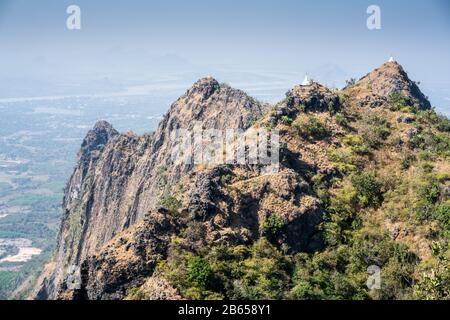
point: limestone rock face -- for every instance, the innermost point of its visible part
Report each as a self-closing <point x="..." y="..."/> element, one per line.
<point x="119" y="178"/>
<point x="126" y="261"/>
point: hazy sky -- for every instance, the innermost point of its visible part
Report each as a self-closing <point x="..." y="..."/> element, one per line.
<point x="281" y="35"/>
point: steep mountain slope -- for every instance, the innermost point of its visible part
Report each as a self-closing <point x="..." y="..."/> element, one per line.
<point x="139" y="225"/>
<point x="119" y="178"/>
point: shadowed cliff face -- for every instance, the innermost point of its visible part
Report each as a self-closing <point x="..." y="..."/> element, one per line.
<point x="117" y="219"/>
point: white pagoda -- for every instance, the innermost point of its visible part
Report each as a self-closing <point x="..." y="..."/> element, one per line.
<point x="307" y="81"/>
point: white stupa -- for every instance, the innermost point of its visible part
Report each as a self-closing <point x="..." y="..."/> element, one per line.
<point x="307" y="81"/>
<point x="391" y="59"/>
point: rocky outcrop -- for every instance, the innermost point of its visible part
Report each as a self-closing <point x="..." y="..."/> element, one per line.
<point x="157" y="288"/>
<point x="121" y="177"/>
<point x="235" y="210"/>
<point x="126" y="261"/>
<point x="310" y="98"/>
<point x="377" y="88"/>
<point x="313" y="98"/>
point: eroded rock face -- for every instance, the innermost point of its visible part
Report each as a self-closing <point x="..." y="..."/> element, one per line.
<point x="229" y="213"/>
<point x="124" y="262"/>
<point x="236" y="212"/>
<point x="121" y="177"/>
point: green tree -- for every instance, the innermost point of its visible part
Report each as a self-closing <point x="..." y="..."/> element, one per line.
<point x="368" y="189"/>
<point x="199" y="272"/>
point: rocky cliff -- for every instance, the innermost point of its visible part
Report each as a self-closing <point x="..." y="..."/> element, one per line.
<point x="127" y="200"/>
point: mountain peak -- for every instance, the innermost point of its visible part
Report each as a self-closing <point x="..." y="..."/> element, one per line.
<point x="379" y="86"/>
<point x="204" y="87"/>
<point x="205" y="82"/>
<point x="313" y="97"/>
<point x="215" y="106"/>
<point x="97" y="138"/>
<point x="103" y="125"/>
<point x="392" y="67"/>
<point x="306" y="89"/>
